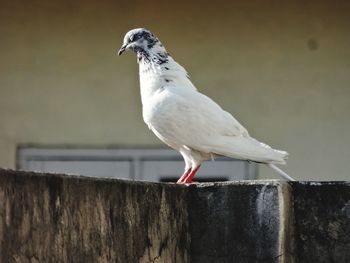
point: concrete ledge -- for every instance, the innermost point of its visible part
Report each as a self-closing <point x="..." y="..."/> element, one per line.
<point x="236" y="222"/>
<point x="60" y="218"/>
<point x="322" y="221"/>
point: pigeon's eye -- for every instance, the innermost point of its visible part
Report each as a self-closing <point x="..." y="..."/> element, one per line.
<point x="135" y="37"/>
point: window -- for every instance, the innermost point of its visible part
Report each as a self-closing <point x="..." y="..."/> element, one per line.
<point x="157" y="165"/>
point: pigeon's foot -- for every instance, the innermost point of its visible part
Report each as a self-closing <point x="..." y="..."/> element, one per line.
<point x="183" y="177"/>
<point x="180" y="182"/>
<point x="189" y="177"/>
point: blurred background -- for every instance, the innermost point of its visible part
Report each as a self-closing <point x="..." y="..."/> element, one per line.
<point x="282" y="68"/>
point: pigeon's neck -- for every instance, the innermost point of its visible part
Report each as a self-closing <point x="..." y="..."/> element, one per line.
<point x="158" y="70"/>
<point x="155" y="55"/>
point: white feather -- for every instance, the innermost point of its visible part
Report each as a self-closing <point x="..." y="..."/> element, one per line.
<point x="181" y="116"/>
<point x="191" y="122"/>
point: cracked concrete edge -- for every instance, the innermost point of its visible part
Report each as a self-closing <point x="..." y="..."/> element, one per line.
<point x="68" y="176"/>
<point x="286" y="229"/>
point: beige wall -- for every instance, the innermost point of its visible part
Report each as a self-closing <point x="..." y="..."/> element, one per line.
<point x="281" y="67"/>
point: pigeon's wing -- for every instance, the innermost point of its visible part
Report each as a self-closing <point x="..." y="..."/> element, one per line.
<point x="204" y="113"/>
<point x="190" y="118"/>
<point x="193" y="119"/>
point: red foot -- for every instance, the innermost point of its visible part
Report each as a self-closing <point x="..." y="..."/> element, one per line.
<point x="186" y="178"/>
<point x="189" y="177"/>
<point x="183" y="177"/>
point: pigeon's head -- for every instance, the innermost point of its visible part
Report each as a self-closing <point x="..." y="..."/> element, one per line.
<point x="141" y="41"/>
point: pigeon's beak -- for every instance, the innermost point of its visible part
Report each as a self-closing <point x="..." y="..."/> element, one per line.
<point x="121" y="50"/>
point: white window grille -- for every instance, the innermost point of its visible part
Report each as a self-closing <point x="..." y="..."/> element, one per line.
<point x="140" y="164"/>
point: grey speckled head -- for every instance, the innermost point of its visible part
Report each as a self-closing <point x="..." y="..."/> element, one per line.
<point x="140" y="40"/>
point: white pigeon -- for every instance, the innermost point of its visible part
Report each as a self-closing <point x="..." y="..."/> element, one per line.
<point x="184" y="118"/>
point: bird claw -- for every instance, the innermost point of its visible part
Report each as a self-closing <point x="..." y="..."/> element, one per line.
<point x="183" y="182"/>
<point x="186" y="178"/>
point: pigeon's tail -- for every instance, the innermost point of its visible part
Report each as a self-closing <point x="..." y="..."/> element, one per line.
<point x="247" y="148"/>
<point x="280" y="157"/>
<point x="281" y="172"/>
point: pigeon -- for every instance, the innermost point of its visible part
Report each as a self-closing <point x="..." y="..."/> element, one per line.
<point x="185" y="119"/>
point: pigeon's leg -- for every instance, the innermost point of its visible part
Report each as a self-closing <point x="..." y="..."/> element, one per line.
<point x="183" y="177"/>
<point x="188" y="165"/>
<point x="189" y="177"/>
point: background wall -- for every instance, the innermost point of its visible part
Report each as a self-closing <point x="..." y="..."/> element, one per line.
<point x="281" y="67"/>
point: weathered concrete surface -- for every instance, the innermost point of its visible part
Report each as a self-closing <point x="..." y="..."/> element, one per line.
<point x="77" y="219"/>
<point x="322" y="222"/>
<point x="59" y="218"/>
<point x="236" y="222"/>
